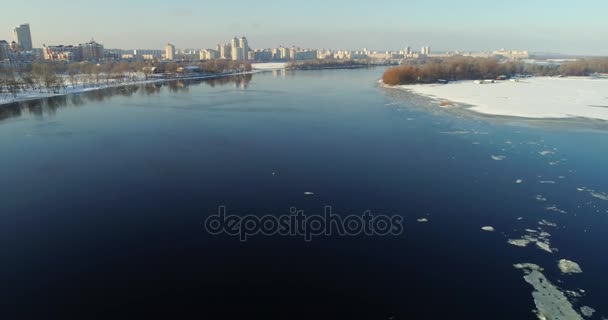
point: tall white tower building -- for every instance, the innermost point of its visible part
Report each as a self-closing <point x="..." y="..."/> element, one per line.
<point x="169" y="52"/>
<point x="23" y="36"/>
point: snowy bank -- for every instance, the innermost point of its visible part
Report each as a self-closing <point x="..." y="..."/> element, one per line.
<point x="31" y="94"/>
<point x="540" y="97"/>
<point x="269" y="66"/>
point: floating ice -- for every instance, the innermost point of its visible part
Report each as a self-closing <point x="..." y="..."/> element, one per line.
<point x="519" y="181"/>
<point x="498" y="158"/>
<point x="587" y="311"/>
<point x="541" y="198"/>
<point x="593" y="193"/>
<point x="555" y="208"/>
<point x="550" y="301"/>
<point x="488" y="228"/>
<point x="546" y="152"/>
<point x="519" y="242"/>
<point x="547" y="182"/>
<point x="600" y="195"/>
<point x="544" y="246"/>
<point x="422" y="220"/>
<point x="567" y="266"/>
<point x="308" y="193"/>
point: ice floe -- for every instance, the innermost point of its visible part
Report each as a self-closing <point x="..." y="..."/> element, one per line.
<point x="519" y="181"/>
<point x="488" y="228"/>
<point x="596" y="194"/>
<point x="539" y="238"/>
<point x="519" y="242"/>
<point x="587" y="311"/>
<point x="498" y="158"/>
<point x="423" y="220"/>
<point x="555" y="209"/>
<point x="550" y="301"/>
<point x="567" y="267"/>
<point x="546" y="152"/>
<point x="547" y="182"/>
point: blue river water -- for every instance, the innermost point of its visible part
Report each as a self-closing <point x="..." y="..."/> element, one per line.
<point x="103" y="198"/>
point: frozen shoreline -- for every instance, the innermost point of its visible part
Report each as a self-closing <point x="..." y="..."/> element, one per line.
<point x="34" y="95"/>
<point x="539" y="98"/>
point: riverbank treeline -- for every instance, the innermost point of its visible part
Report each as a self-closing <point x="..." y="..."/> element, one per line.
<point x="327" y="64"/>
<point x="51" y="77"/>
<point x="469" y="68"/>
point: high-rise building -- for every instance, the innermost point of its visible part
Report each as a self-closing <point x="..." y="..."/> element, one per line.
<point x="23" y="37"/>
<point x="92" y="51"/>
<point x="225" y="51"/>
<point x="244" y="45"/>
<point x="239" y="49"/>
<point x="425" y="50"/>
<point x="169" y="51"/>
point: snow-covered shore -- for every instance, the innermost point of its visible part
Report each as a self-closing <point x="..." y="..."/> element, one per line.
<point x="34" y="94"/>
<point x="540" y="97"/>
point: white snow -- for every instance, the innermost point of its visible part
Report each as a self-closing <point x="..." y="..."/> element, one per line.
<point x="540" y="97"/>
<point x="269" y="66"/>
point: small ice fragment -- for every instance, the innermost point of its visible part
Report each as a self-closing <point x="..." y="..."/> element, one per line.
<point x="587" y="311"/>
<point x="308" y="193"/>
<point x="546" y="152"/>
<point x="422" y="220"/>
<point x="498" y="158"/>
<point x="547" y="223"/>
<point x="519" y="242"/>
<point x="543" y="246"/>
<point x="519" y="181"/>
<point x="488" y="228"/>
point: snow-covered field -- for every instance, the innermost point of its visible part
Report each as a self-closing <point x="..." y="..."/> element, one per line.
<point x="540" y="97"/>
<point x="269" y="66"/>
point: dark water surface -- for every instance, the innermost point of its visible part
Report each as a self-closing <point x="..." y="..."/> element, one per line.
<point x="103" y="196"/>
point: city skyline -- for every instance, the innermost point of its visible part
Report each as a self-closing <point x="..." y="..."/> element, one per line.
<point x="386" y="26"/>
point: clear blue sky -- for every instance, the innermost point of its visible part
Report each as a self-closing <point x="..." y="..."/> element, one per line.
<point x="579" y="27"/>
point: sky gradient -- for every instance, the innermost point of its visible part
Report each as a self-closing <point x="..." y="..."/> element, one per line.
<point x="557" y="26"/>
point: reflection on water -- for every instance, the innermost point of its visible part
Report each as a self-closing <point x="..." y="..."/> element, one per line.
<point x="49" y="106"/>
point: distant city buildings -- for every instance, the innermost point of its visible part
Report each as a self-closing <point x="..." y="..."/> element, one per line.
<point x="512" y="55"/>
<point x="20" y="52"/>
<point x="90" y="51"/>
<point x="66" y="53"/>
<point x="209" y="54"/>
<point x="23" y="37"/>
